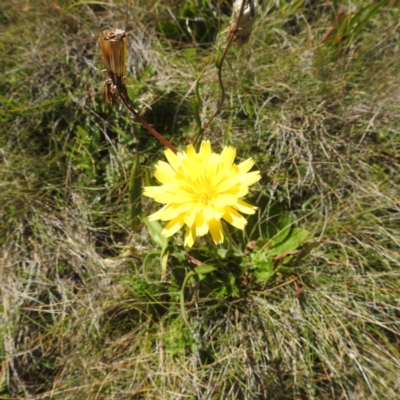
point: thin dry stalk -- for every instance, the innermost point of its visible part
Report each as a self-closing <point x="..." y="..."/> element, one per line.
<point x="238" y="32"/>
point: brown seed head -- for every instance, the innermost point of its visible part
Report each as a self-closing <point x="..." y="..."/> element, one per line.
<point x="113" y="47"/>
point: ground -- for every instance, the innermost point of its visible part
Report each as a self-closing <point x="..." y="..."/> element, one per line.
<point x="95" y="304"/>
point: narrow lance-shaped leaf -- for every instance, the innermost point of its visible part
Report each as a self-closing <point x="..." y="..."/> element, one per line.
<point x="360" y="26"/>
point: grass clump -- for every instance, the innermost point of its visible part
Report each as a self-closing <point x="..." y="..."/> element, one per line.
<point x="91" y="309"/>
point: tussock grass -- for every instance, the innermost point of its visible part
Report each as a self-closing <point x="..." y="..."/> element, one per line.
<point x="81" y="319"/>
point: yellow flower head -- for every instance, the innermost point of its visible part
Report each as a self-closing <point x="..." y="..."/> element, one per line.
<point x="198" y="189"/>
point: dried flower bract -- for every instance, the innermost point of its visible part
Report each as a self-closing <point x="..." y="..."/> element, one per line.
<point x="113" y="46"/>
<point x="241" y="31"/>
<point x="110" y="92"/>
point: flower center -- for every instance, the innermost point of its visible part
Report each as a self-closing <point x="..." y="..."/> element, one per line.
<point x="205" y="198"/>
<point x="205" y="193"/>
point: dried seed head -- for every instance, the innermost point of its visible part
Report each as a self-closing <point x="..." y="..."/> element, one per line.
<point x="241" y="33"/>
<point x="113" y="47"/>
<point x="110" y="92"/>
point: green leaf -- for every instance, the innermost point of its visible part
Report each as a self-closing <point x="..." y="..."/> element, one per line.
<point x="371" y="14"/>
<point x="296" y="5"/>
<point x="293" y="241"/>
<point x="147" y="260"/>
<point x="284" y="226"/>
<point x="155" y="229"/>
<point x="222" y="252"/>
<point x="204" y="269"/>
<point x="268" y="220"/>
<point x="263" y="265"/>
<point x="231" y="286"/>
<point x="248" y="107"/>
<point x="343" y="27"/>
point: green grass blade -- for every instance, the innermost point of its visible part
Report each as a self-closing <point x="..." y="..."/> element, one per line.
<point x="135" y="192"/>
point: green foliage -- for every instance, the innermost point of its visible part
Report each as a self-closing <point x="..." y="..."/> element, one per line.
<point x="84" y="151"/>
<point x="135" y="192"/>
<point x="346" y="28"/>
<point x="192" y="22"/>
<point x="177" y="338"/>
<point x="155" y="229"/>
<point x="303" y="304"/>
<point x="262" y="265"/>
<point x="225" y="271"/>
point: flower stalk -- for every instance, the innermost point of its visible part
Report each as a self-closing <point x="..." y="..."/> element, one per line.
<point x="243" y="16"/>
<point x="113" y="48"/>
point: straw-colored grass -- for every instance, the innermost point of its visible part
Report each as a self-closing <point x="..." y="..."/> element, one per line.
<point x="80" y="316"/>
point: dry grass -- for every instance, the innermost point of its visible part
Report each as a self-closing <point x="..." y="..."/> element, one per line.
<point x="79" y="317"/>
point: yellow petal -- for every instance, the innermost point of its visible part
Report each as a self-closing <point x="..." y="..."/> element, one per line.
<point x="226" y="174"/>
<point x="205" y="150"/>
<point x="218" y="212"/>
<point x="183" y="179"/>
<point x="189" y="219"/>
<point x="193" y="165"/>
<point x="190" y="151"/>
<point x="246" y="166"/>
<point x="164" y="166"/>
<point x="223" y="200"/>
<point x="234" y="171"/>
<point x="201" y="225"/>
<point x="190" y="236"/>
<point x="226" y="184"/>
<point x="173" y="226"/>
<point x="155" y="216"/>
<point x="164" y="199"/>
<point x="227" y="157"/>
<point x="208" y="213"/>
<point x="216" y="231"/>
<point x="250" y="178"/>
<point x="233" y="190"/>
<point x="151" y="191"/>
<point x="164" y="173"/>
<point x="170" y="211"/>
<point x="211" y="169"/>
<point x="173" y="159"/>
<point x="234" y="218"/>
<point x="244" y="207"/>
<point x="164" y="214"/>
<point x="242" y="191"/>
<point x="173" y="198"/>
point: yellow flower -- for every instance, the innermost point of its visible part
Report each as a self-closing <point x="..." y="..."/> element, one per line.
<point x="198" y="189"/>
